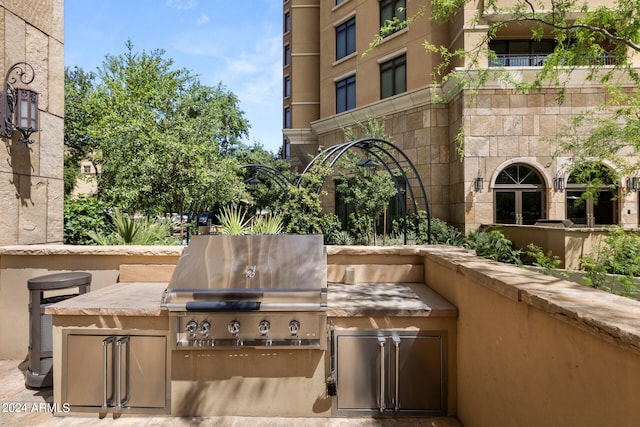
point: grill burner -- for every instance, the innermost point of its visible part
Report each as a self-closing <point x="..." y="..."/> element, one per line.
<point x="249" y="291"/>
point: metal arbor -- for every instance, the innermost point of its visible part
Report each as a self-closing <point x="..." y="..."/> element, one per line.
<point x="271" y="173"/>
<point x="383" y="153"/>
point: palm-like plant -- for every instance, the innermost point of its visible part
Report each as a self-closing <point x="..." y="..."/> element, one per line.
<point x="233" y="220"/>
<point x="127" y="230"/>
<point x="269" y="224"/>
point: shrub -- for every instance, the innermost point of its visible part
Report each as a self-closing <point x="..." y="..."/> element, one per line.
<point x="82" y="214"/>
<point x="128" y="230"/>
<point x="619" y="254"/>
<point x="493" y="245"/>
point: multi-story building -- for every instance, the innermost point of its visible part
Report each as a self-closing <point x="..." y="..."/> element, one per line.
<point x="509" y="173"/>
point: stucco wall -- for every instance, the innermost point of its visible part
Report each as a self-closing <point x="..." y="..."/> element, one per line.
<point x="535" y="350"/>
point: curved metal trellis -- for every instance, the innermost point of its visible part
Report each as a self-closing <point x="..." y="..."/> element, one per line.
<point x="382" y="151"/>
<point x="273" y="174"/>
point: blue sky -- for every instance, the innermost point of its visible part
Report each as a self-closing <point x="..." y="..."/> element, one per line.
<point x="238" y="43"/>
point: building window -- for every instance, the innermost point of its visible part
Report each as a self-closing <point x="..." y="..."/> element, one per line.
<point x="287" y="22"/>
<point x="520" y="53"/>
<point x="286" y="149"/>
<point x="86" y="169"/>
<point x="346" y="38"/>
<point x="393" y="77"/>
<point x="287" y="117"/>
<point x="519" y="196"/>
<point x="390" y="10"/>
<point x="339" y="1"/>
<point x="287" y="55"/>
<point x="287" y="86"/>
<point x="582" y="207"/>
<point x="346" y="94"/>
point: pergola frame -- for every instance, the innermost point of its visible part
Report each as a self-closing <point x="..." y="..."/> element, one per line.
<point x="380" y="150"/>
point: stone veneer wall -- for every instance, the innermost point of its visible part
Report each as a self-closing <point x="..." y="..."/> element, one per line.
<point x="31" y="176"/>
<point x="421" y="130"/>
<point x="503" y="128"/>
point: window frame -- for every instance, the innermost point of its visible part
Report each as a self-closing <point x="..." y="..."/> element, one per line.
<point x="393" y="6"/>
<point x="519" y="188"/>
<point x="392" y="65"/>
<point x="347" y="45"/>
<point x="348" y="83"/>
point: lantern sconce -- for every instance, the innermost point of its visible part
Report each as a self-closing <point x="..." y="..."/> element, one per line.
<point x="369" y="166"/>
<point x="478" y="183"/>
<point x="633" y="183"/>
<point x="558" y="183"/>
<point x="19" y="103"/>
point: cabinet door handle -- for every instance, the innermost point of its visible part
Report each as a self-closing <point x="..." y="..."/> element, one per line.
<point x="106" y="399"/>
<point x="396" y="344"/>
<point x="122" y="401"/>
<point x="382" y="403"/>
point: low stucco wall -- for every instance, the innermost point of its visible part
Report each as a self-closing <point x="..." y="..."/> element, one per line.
<point x="20" y="263"/>
<point x="534" y="350"/>
<point x="568" y="244"/>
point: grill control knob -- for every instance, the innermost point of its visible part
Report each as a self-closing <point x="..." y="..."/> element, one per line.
<point x="264" y="327"/>
<point x="234" y="327"/>
<point x="294" y="328"/>
<point x="191" y="327"/>
<point x="205" y="327"/>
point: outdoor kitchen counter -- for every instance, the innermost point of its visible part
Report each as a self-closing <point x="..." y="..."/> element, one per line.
<point x="386" y="299"/>
<point x="120" y="299"/>
<point x="357" y="300"/>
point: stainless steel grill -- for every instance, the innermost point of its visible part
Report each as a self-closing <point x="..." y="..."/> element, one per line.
<point x="249" y="291"/>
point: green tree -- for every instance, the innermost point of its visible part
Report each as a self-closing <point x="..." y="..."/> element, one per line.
<point x="267" y="193"/>
<point x="79" y="113"/>
<point x="302" y="211"/>
<point x="368" y="195"/>
<point x="161" y="136"/>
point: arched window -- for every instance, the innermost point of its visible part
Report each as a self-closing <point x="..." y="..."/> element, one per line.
<point x="582" y="207"/>
<point x="519" y="196"/>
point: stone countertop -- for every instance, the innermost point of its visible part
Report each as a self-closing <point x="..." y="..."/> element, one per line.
<point x="373" y="299"/>
<point x="386" y="299"/>
<point x="121" y="299"/>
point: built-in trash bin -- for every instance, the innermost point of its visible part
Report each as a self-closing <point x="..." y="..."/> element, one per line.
<point x="40" y="370"/>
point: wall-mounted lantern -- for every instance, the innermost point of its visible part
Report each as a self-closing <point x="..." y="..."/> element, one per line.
<point x="19" y="104"/>
<point x="558" y="183"/>
<point x="633" y="183"/>
<point x="478" y="182"/>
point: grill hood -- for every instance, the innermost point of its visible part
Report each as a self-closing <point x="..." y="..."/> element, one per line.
<point x="258" y="262"/>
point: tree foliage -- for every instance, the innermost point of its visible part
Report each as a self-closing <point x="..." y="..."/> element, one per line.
<point x="368" y="195"/>
<point x="159" y="137"/>
<point x="302" y="210"/>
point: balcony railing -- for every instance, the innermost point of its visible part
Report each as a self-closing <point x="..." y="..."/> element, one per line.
<point x="537" y="60"/>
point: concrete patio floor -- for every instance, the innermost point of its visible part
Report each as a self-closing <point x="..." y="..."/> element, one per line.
<point x="13" y="391"/>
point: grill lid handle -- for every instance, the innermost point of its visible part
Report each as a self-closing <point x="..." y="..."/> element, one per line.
<point x="223" y="306"/>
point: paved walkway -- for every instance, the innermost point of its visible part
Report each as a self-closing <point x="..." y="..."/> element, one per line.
<point x="25" y="408"/>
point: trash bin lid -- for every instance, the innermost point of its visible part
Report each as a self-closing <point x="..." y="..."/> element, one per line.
<point x="59" y="280"/>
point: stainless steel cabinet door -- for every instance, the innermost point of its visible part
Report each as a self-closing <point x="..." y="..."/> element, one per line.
<point x="390" y="371"/>
<point x="358" y="372"/>
<point x="420" y="375"/>
<point x="89" y="377"/>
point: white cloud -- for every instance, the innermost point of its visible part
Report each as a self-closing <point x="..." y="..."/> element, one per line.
<point x="181" y="4"/>
<point x="203" y="19"/>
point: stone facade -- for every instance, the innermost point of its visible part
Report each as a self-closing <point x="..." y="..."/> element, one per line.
<point x="501" y="128"/>
<point x="31" y="176"/>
